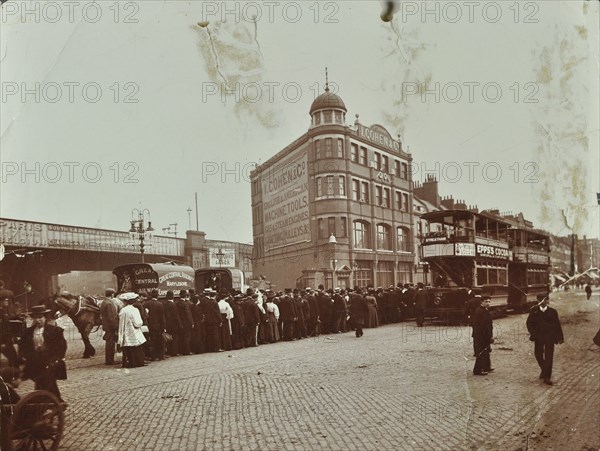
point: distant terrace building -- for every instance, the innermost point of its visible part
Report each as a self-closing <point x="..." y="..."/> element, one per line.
<point x="334" y="207"/>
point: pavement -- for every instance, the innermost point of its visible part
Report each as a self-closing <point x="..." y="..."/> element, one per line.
<point x="397" y="387"/>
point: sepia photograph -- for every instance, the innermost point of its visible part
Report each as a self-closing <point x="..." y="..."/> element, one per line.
<point x="300" y="225"/>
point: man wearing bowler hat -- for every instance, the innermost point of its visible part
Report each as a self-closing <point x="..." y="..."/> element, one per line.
<point x="43" y="346"/>
<point x="544" y="326"/>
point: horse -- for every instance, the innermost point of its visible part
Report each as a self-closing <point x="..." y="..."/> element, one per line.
<point x="84" y="311"/>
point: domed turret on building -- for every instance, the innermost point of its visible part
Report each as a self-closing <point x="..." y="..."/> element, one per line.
<point x="328" y="108"/>
<point x="326" y="101"/>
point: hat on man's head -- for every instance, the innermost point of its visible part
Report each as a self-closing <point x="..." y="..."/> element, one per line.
<point x="38" y="310"/>
<point x="5" y="298"/>
<point x="288" y="290"/>
<point x="182" y="293"/>
<point x="223" y="291"/>
<point x="154" y="293"/>
<point x="109" y="291"/>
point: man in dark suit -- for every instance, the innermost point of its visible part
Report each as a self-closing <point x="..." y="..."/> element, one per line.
<point x="43" y="346"/>
<point x="156" y="326"/>
<point x="172" y="324"/>
<point x="359" y="311"/>
<point x="482" y="337"/>
<point x="110" y="326"/>
<point x="313" y="318"/>
<point x="187" y="322"/>
<point x="340" y="311"/>
<point x="420" y="301"/>
<point x="545" y="330"/>
<point x="287" y="314"/>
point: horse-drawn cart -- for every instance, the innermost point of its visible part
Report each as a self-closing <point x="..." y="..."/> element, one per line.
<point x="35" y="422"/>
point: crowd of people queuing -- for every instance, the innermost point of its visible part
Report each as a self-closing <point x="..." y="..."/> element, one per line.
<point x="148" y="327"/>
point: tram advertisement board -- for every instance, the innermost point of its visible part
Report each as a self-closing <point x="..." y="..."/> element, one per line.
<point x="486" y="250"/>
<point x="464" y="249"/>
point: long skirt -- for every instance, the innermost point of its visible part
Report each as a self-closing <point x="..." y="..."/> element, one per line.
<point x="273" y="328"/>
<point x="133" y="356"/>
<point x="225" y="334"/>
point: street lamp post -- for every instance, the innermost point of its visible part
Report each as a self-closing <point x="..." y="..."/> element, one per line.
<point x="189" y="212"/>
<point x="138" y="230"/>
<point x="220" y="256"/>
<point x="332" y="243"/>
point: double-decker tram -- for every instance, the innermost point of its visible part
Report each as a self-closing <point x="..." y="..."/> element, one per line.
<point x="528" y="269"/>
<point x="468" y="253"/>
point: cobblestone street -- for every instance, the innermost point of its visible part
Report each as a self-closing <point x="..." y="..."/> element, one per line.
<point x="398" y="387"/>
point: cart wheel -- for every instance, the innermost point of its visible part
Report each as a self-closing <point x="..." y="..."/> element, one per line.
<point x="37" y="422"/>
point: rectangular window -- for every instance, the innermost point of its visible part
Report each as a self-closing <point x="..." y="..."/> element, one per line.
<point x="322" y="230"/>
<point x="364" y="193"/>
<point x="385" y="274"/>
<point x="383" y="237"/>
<point x="330" y="185"/>
<point x="363" y="274"/>
<point x="377" y="159"/>
<point x="363" y="156"/>
<point x="341" y="185"/>
<point x="340" y="148"/>
<point x="384" y="164"/>
<point x="493" y="276"/>
<point x="402" y="240"/>
<point x="330" y="226"/>
<point x="354" y="153"/>
<point x="318" y="187"/>
<point x="343" y="232"/>
<point x="398" y="200"/>
<point x="328" y="148"/>
<point x="318" y="149"/>
<point x="317" y="118"/>
<point x="396" y="168"/>
<point x="378" y="195"/>
<point x="338" y="117"/>
<point x="361" y="235"/>
<point x="404" y="171"/>
<point x="327" y="117"/>
<point x="355" y="190"/>
<point x="482" y="276"/>
<point x="405" y="202"/>
<point x="386" y="197"/>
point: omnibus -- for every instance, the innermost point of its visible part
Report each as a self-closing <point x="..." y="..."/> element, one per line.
<point x="218" y="278"/>
<point x="468" y="254"/>
<point x="529" y="267"/>
<point x="149" y="276"/>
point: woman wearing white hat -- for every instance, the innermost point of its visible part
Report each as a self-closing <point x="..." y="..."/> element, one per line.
<point x="131" y="337"/>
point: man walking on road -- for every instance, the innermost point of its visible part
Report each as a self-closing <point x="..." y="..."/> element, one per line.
<point x="420" y="303"/>
<point x="545" y="330"/>
<point x="482" y="337"/>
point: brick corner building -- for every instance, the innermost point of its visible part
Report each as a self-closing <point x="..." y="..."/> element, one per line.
<point x="334" y="207"/>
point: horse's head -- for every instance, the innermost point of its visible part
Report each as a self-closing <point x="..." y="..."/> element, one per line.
<point x="63" y="303"/>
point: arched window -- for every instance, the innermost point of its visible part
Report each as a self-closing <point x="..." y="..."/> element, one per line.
<point x="384" y="241"/>
<point x="362" y="235"/>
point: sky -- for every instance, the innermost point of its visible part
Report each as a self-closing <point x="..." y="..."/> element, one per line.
<point x="107" y="107"/>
